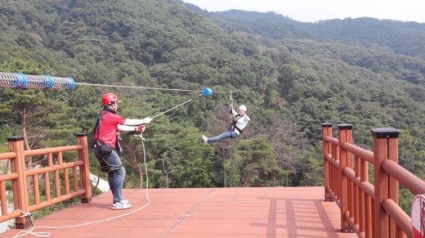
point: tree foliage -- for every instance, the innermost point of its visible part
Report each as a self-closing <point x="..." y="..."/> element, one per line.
<point x="292" y="76"/>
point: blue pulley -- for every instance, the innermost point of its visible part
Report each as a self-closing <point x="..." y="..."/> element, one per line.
<point x="206" y="92"/>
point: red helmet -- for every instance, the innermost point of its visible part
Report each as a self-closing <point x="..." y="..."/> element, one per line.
<point x="109" y="98"/>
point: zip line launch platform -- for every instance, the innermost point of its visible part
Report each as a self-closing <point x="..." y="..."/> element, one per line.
<point x="201" y="212"/>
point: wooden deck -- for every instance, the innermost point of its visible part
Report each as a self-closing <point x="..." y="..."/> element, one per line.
<point x="200" y="212"/>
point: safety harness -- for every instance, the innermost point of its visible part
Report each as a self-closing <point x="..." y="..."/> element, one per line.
<point x="235" y="119"/>
<point x="102" y="150"/>
<point x="233" y="126"/>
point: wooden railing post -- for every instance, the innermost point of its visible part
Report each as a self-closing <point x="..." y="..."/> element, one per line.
<point x="327" y="147"/>
<point x="83" y="155"/>
<point x="385" y="146"/>
<point x="19" y="187"/>
<point x="345" y="135"/>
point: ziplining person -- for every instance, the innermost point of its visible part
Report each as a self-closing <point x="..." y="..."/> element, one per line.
<point x="107" y="148"/>
<point x="239" y="121"/>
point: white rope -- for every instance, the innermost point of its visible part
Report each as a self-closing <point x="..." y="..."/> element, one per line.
<point x="47" y="234"/>
<point x="181" y="104"/>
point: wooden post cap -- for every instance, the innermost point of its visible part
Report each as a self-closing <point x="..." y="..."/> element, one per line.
<point x="385" y="132"/>
<point x="15" y="138"/>
<point x="345" y="126"/>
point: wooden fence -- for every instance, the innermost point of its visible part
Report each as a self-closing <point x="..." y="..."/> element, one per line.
<point x="61" y="180"/>
<point x="369" y="208"/>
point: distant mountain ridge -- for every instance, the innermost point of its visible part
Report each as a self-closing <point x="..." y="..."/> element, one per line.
<point x="406" y="38"/>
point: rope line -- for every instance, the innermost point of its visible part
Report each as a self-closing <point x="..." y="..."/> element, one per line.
<point x="189" y="212"/>
<point x="48" y="234"/>
<point x="181" y="104"/>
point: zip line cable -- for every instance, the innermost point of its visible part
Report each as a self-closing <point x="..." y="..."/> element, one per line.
<point x="24" y="81"/>
<point x="135" y="87"/>
<point x="48" y="234"/>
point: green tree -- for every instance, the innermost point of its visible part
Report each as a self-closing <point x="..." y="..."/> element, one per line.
<point x="258" y="163"/>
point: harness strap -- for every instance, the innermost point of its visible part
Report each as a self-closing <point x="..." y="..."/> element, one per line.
<point x="237" y="128"/>
<point x="233" y="125"/>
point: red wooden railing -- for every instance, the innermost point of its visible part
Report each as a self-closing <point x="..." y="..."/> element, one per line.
<point x="67" y="179"/>
<point x="369" y="208"/>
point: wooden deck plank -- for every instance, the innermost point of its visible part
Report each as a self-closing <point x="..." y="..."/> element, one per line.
<point x="201" y="212"/>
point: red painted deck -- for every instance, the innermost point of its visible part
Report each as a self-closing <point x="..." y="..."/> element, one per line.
<point x="200" y="212"/>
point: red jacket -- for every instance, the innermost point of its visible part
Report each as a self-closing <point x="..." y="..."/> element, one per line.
<point x="108" y="128"/>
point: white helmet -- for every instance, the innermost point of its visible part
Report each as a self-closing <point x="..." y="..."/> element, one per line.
<point x="242" y="108"/>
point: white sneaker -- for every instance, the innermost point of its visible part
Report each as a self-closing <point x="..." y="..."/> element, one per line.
<point x="205" y="139"/>
<point x="121" y="205"/>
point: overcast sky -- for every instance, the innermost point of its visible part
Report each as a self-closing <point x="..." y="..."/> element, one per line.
<point x="316" y="10"/>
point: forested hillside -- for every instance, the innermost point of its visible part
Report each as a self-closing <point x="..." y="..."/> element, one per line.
<point x="290" y="85"/>
<point x="406" y="38"/>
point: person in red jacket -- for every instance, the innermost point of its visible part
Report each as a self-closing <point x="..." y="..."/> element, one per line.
<point x="107" y="148"/>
